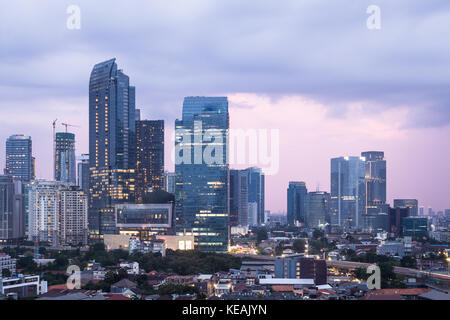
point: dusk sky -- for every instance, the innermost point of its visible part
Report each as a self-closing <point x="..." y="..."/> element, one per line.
<point x="311" y="69"/>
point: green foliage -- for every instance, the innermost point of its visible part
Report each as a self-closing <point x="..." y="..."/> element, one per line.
<point x="408" y="262"/>
<point x="171" y="288"/>
<point x="27" y="264"/>
<point x="6" y="273"/>
<point x="299" y="246"/>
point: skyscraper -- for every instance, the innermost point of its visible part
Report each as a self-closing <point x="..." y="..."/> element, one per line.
<point x="239" y="204"/>
<point x="112" y="145"/>
<point x="256" y="191"/>
<point x="317" y="209"/>
<point x="347" y="191"/>
<point x="412" y="204"/>
<point x="150" y="157"/>
<point x="83" y="173"/>
<point x="12" y="210"/>
<point x="19" y="158"/>
<point x="375" y="175"/>
<point x="65" y="170"/>
<point x="169" y="182"/>
<point x="296" y="202"/>
<point x="201" y="172"/>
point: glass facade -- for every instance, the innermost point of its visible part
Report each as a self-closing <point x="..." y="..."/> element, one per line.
<point x="412" y="204"/>
<point x="202" y="172"/>
<point x="348" y="191"/>
<point x="256" y="191"/>
<point x="65" y="170"/>
<point x="112" y="145"/>
<point x="144" y="215"/>
<point x="150" y="156"/>
<point x="239" y="198"/>
<point x="375" y="181"/>
<point x="317" y="209"/>
<point x="296" y="202"/>
<point x="19" y="159"/>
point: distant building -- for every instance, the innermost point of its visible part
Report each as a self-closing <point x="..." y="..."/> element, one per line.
<point x="22" y="286"/>
<point x="202" y="183"/>
<point x="256" y="191"/>
<point x="154" y="216"/>
<point x="150" y="157"/>
<point x="375" y="176"/>
<point x="296" y="202"/>
<point x="415" y="227"/>
<point x="239" y="214"/>
<point x="412" y="204"/>
<point x="112" y="145"/>
<point x="392" y="249"/>
<point x="317" y="209"/>
<point x="6" y="262"/>
<point x="301" y="268"/>
<point x="396" y="216"/>
<point x="252" y="214"/>
<point x="169" y="182"/>
<point x="12" y="209"/>
<point x="348" y="191"/>
<point x="65" y="169"/>
<point x="83" y="173"/>
<point x="57" y="213"/>
<point x="19" y="158"/>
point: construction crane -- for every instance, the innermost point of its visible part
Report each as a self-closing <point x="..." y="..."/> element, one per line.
<point x="69" y="125"/>
<point x="54" y="143"/>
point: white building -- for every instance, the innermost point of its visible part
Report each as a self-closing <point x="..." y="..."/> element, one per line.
<point x="57" y="213"/>
<point x="131" y="267"/>
<point x="6" y="262"/>
<point x="22" y="286"/>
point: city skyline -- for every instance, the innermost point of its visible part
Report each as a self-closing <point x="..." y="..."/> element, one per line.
<point x="324" y="109"/>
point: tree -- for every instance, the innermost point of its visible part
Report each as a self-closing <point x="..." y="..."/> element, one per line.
<point x="6" y="273"/>
<point x="299" y="245"/>
<point x="408" y="262"/>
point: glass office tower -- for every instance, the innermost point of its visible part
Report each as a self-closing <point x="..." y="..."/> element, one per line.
<point x="348" y="191"/>
<point x="256" y="192"/>
<point x="65" y="170"/>
<point x="296" y="202"/>
<point x="150" y="157"/>
<point x="202" y="172"/>
<point x="375" y="182"/>
<point x="19" y="158"/>
<point x="112" y="145"/>
<point x="317" y="209"/>
<point x="239" y="202"/>
<point x="412" y="204"/>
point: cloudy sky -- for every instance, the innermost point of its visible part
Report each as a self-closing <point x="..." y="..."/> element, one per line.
<point x="311" y="69"/>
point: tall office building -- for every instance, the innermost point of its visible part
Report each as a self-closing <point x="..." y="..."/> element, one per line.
<point x="421" y="212"/>
<point x="19" y="158"/>
<point x="150" y="157"/>
<point x="412" y="204"/>
<point x="201" y="172"/>
<point x="296" y="202"/>
<point x="317" y="209"/>
<point x="65" y="170"/>
<point x="12" y="210"/>
<point x="169" y="182"/>
<point x="375" y="182"/>
<point x="239" y="198"/>
<point x="112" y="145"/>
<point x="57" y="213"/>
<point x="83" y="173"/>
<point x="347" y="191"/>
<point x="396" y="217"/>
<point x="256" y="191"/>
